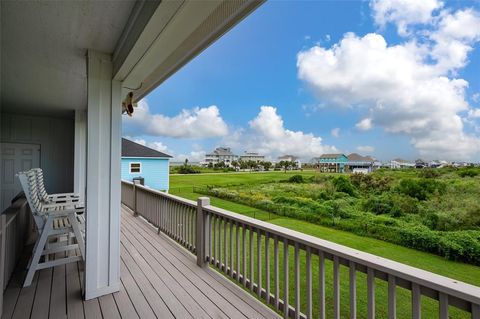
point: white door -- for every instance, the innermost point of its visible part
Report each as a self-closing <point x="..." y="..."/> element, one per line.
<point x="15" y="158"/>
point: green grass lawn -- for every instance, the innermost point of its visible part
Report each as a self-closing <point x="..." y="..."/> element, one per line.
<point x="182" y="185"/>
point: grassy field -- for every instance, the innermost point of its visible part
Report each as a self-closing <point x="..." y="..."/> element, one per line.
<point x="183" y="185"/>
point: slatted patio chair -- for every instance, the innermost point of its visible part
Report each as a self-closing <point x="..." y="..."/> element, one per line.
<point x="52" y="198"/>
<point x="53" y="221"/>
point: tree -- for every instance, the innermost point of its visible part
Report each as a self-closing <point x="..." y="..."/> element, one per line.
<point x="266" y="165"/>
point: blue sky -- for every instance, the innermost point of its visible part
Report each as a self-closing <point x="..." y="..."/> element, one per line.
<point x="385" y="78"/>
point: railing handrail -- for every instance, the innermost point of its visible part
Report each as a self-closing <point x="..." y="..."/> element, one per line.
<point x="422" y="277"/>
<point x="163" y="194"/>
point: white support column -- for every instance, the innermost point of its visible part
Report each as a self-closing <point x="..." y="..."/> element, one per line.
<point x="80" y="165"/>
<point x="102" y="267"/>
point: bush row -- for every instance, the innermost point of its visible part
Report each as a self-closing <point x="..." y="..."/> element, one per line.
<point x="454" y="245"/>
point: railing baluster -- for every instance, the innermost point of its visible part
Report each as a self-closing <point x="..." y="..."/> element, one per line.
<point x="443" y="307"/>
<point x="225" y="245"/>
<point x="244" y="255"/>
<point x="308" y="279"/>
<point x="297" y="281"/>
<point x="221" y="242"/>
<point x="353" y="290"/>
<point x="237" y="248"/>
<point x="231" y="249"/>
<point x="416" y="301"/>
<point x="252" y="259"/>
<point x="259" y="263"/>
<point x="336" y="288"/>
<point x="321" y="283"/>
<point x="267" y="267"/>
<point x="286" y="307"/>
<point x="475" y="311"/>
<point x="392" y="297"/>
<point x="370" y="293"/>
<point x="214" y="248"/>
<point x="276" y="272"/>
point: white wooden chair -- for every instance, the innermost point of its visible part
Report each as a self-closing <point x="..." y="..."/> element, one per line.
<point x="54" y="222"/>
<point x="52" y="198"/>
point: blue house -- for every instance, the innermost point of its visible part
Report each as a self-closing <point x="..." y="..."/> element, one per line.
<point x="141" y="161"/>
<point x="333" y="163"/>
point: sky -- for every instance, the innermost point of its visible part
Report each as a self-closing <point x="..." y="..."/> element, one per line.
<point x="391" y="79"/>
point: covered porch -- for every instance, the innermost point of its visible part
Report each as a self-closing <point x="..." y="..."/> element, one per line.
<point x="159" y="279"/>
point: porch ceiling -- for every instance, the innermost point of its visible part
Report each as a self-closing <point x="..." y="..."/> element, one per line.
<point x="43" y="50"/>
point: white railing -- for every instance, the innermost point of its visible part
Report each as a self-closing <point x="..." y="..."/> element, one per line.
<point x="288" y="269"/>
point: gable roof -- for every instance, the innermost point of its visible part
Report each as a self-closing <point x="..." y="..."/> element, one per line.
<point x="132" y="149"/>
<point x="355" y="157"/>
<point x="332" y="155"/>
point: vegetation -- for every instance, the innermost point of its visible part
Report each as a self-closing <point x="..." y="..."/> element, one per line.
<point x="437" y="213"/>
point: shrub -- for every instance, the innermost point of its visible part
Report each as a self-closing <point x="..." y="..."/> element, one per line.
<point x="429" y="173"/>
<point x="421" y="189"/>
<point x="296" y="179"/>
<point x="188" y="169"/>
<point x="468" y="172"/>
<point x="371" y="182"/>
<point x="343" y="184"/>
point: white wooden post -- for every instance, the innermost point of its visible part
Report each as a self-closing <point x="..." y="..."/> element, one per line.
<point x="102" y="264"/>
<point x="80" y="163"/>
<point x="201" y="231"/>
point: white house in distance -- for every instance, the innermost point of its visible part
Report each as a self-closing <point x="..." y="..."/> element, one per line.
<point x="220" y="154"/>
<point x="399" y="163"/>
<point x="251" y="156"/>
<point x="149" y="165"/>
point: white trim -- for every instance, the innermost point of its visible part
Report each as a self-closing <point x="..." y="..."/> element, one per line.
<point x="130" y="167"/>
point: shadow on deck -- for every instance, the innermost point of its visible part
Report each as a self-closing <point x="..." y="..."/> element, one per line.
<point x="159" y="280"/>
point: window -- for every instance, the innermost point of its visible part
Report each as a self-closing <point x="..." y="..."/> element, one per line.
<point x="135" y="168"/>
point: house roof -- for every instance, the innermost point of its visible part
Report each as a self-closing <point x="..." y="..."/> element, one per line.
<point x="222" y="151"/>
<point x="287" y="156"/>
<point x="331" y="155"/>
<point x="132" y="149"/>
<point x="354" y="157"/>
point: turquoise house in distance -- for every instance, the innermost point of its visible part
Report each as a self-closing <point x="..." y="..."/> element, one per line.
<point x="139" y="161"/>
<point x="332" y="163"/>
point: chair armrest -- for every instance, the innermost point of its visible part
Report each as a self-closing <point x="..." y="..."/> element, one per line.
<point x="65" y="212"/>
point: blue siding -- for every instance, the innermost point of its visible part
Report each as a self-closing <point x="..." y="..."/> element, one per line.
<point x="154" y="170"/>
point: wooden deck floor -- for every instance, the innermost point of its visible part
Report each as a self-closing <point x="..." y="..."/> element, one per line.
<point x="159" y="280"/>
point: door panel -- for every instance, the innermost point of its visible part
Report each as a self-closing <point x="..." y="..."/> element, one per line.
<point x="15" y="158"/>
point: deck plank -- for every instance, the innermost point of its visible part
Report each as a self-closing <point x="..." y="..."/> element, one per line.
<point x="42" y="296"/>
<point x="173" y="303"/>
<point x="109" y="307"/>
<point x="162" y="266"/>
<point x="74" y="293"/>
<point x="92" y="309"/>
<point x="23" y="308"/>
<point x="58" y="305"/>
<point x="138" y="300"/>
<point x="155" y="301"/>
<point x="183" y="289"/>
<point x="186" y="264"/>
<point x="124" y="304"/>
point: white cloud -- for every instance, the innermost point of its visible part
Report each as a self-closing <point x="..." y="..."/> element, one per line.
<point x="328" y="37"/>
<point x="476" y="97"/>
<point x="194" y="123"/>
<point x="454" y="38"/>
<point x="267" y="135"/>
<point x="335" y="132"/>
<point x="193" y="156"/>
<point x="366" y="149"/>
<point x="159" y="146"/>
<point x="364" y="125"/>
<point x="403" y="91"/>
<point x="474" y="114"/>
<point x="404" y="13"/>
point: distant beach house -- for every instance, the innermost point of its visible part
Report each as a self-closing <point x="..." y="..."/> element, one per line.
<point x="220" y="154"/>
<point x="139" y="161"/>
<point x="360" y="164"/>
<point x="399" y="163"/>
<point x="251" y="156"/>
<point x="331" y="163"/>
